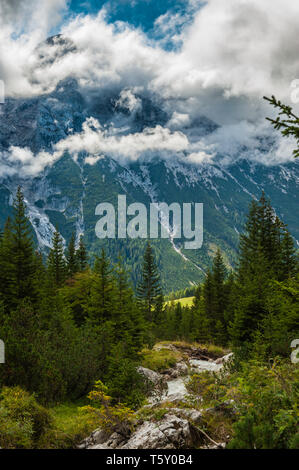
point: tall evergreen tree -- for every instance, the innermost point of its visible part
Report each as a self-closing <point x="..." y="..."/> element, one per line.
<point x="219" y="274"/>
<point x="103" y="290"/>
<point x="56" y="261"/>
<point x="129" y="322"/>
<point x="266" y="254"/>
<point x="208" y="295"/>
<point x="82" y="256"/>
<point x="71" y="257"/>
<point x="149" y="289"/>
<point x="18" y="256"/>
<point x="289" y="257"/>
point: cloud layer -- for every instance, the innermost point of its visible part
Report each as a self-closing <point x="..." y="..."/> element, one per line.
<point x="230" y="55"/>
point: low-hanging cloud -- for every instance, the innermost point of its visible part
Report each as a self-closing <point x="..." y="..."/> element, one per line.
<point x="97" y="141"/>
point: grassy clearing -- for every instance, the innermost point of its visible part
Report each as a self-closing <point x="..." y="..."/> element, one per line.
<point x="70" y="426"/>
<point x="185" y="301"/>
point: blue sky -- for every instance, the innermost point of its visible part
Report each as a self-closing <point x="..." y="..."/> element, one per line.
<point x="141" y="13"/>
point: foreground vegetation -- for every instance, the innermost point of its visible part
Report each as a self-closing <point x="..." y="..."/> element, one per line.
<point x="258" y="405"/>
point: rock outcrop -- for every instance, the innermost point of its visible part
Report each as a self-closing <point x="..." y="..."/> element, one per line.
<point x="150" y="375"/>
<point x="171" y="432"/>
<point x="180" y="427"/>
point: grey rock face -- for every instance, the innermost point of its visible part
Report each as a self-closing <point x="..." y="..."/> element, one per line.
<point x="150" y="375"/>
<point x="172" y="432"/>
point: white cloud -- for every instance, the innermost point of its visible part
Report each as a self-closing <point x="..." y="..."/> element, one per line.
<point x="178" y="120"/>
<point x="23" y="162"/>
<point x="232" y="53"/>
<point x="97" y="141"/>
<point x="240" y="47"/>
<point x="129" y="101"/>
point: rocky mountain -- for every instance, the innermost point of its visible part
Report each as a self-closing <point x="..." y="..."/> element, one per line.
<point x="65" y="191"/>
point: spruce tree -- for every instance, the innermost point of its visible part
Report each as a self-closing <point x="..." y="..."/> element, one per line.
<point x="71" y="257"/>
<point x="289" y="257"/>
<point x="129" y="322"/>
<point x="18" y="255"/>
<point x="56" y="261"/>
<point x="208" y="296"/>
<point x="103" y="290"/>
<point x="149" y="289"/>
<point x="81" y="254"/>
<point x="197" y="297"/>
<point x="6" y="266"/>
<point x="265" y="251"/>
<point x="219" y="301"/>
<point x="178" y="316"/>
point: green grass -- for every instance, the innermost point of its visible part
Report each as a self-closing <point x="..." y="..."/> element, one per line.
<point x="185" y="301"/>
<point x="159" y="360"/>
<point x="70" y="426"/>
<point x="213" y="349"/>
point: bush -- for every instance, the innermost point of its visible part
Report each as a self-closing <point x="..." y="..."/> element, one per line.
<point x="267" y="402"/>
<point x="125" y="384"/>
<point x="22" y="420"/>
<point x="208" y="386"/>
<point x="116" y="418"/>
<point x="259" y="402"/>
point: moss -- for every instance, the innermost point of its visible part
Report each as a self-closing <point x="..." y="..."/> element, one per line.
<point x="159" y="360"/>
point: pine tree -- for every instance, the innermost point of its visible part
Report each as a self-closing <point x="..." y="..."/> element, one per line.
<point x="219" y="301"/>
<point x="56" y="261"/>
<point x="149" y="289"/>
<point x="103" y="290"/>
<point x="178" y="316"/>
<point x="129" y="323"/>
<point x="289" y="258"/>
<point x="197" y="297"/>
<point x="261" y="261"/>
<point x="208" y="295"/>
<point x="71" y="257"/>
<point x="18" y="256"/>
<point x="81" y="254"/>
<point x="6" y="266"/>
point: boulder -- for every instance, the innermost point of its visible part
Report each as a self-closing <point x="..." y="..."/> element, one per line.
<point x="182" y="368"/>
<point x="150" y="375"/>
<point x="171" y="432"/>
<point x="115" y="441"/>
<point x="191" y="414"/>
<point x="97" y="437"/>
<point x="199" y="366"/>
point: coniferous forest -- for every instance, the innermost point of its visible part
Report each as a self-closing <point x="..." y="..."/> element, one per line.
<point x="76" y="331"/>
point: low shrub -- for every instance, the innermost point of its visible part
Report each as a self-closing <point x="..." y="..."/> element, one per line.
<point x="116" y="418"/>
<point x="23" y="421"/>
